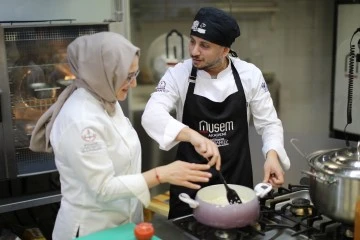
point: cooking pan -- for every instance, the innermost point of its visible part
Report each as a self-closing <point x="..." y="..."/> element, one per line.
<point x="334" y="181"/>
<point x="212" y="208"/>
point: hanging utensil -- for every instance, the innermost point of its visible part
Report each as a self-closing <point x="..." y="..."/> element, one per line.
<point x="174" y="60"/>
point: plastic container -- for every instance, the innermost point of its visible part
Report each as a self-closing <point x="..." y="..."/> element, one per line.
<point x="144" y="231"/>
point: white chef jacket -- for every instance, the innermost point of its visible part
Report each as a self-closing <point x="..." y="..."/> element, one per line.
<point x="99" y="161"/>
<point x="171" y="92"/>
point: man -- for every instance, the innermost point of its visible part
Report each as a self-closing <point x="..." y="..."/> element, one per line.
<point x="214" y="95"/>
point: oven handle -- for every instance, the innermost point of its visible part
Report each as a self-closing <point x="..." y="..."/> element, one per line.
<point x="0" y="106"/>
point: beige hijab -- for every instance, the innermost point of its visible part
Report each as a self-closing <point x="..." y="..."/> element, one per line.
<point x="100" y="63"/>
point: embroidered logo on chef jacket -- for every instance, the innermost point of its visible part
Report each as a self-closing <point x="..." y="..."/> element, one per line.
<point x="264" y="86"/>
<point x="161" y="86"/>
<point x="217" y="132"/>
<point x="89" y="136"/>
<point x="200" y="29"/>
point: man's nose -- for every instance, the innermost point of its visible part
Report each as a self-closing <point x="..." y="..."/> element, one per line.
<point x="194" y="50"/>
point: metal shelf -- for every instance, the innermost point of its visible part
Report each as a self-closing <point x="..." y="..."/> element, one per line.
<point x="17" y="203"/>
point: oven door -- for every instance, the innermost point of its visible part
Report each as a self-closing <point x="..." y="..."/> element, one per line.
<point x="7" y="154"/>
<point x="33" y="64"/>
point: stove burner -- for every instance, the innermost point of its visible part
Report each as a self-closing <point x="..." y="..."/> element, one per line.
<point x="301" y="207"/>
<point x="226" y="235"/>
<point x="300" y="202"/>
<point x="287" y="214"/>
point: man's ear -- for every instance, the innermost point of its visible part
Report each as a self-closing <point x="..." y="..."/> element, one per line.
<point x="226" y="51"/>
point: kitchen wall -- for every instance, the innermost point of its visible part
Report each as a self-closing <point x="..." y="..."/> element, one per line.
<point x="293" y="39"/>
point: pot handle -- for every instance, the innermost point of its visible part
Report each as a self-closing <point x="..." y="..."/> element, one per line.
<point x="187" y="199"/>
<point x="320" y="178"/>
<point x="261" y="189"/>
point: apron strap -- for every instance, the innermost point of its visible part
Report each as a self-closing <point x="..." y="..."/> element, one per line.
<point x="193" y="74"/>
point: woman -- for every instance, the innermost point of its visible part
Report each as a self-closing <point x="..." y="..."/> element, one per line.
<point x="97" y="151"/>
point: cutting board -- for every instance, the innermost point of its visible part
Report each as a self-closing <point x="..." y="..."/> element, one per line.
<point x="123" y="232"/>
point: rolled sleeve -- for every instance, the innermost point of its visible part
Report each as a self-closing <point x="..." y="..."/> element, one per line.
<point x="284" y="159"/>
<point x="171" y="131"/>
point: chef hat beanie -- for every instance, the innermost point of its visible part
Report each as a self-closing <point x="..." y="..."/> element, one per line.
<point x="216" y="26"/>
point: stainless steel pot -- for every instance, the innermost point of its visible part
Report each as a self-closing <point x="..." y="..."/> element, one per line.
<point x="335" y="182"/>
<point x="212" y="208"/>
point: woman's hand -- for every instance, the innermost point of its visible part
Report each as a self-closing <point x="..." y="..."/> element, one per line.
<point x="204" y="146"/>
<point x="184" y="174"/>
<point x="273" y="172"/>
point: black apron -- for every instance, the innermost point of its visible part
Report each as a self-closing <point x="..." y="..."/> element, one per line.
<point x="226" y="124"/>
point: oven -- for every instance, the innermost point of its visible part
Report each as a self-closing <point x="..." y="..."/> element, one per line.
<point x="285" y="214"/>
<point x="33" y="72"/>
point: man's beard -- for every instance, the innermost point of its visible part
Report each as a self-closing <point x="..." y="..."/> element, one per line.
<point x="211" y="65"/>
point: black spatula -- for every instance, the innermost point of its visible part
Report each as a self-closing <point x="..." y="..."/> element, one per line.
<point x="231" y="194"/>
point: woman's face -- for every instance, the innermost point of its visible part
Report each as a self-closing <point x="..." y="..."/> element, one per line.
<point x="130" y="82"/>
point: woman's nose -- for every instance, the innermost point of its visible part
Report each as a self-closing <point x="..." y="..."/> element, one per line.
<point x="133" y="83"/>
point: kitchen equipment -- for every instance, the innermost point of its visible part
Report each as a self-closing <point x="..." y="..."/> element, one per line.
<point x="163" y="52"/>
<point x="231" y="194"/>
<point x="276" y="221"/>
<point x="335" y="181"/>
<point x="43" y="90"/>
<point x="171" y="61"/>
<point x="212" y="208"/>
<point x="28" y="87"/>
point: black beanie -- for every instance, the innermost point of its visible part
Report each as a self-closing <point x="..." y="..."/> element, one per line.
<point x="216" y="26"/>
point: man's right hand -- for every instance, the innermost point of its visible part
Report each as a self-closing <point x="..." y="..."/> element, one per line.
<point x="204" y="146"/>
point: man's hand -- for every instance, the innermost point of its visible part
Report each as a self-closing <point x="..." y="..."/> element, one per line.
<point x="204" y="146"/>
<point x="273" y="172"/>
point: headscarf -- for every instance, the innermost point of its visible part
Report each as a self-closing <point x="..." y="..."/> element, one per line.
<point x="216" y="26"/>
<point x="100" y="62"/>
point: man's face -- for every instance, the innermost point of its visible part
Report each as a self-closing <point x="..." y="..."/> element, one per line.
<point x="206" y="55"/>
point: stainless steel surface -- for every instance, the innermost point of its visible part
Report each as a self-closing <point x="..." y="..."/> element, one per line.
<point x="335" y="183"/>
<point x="338" y="200"/>
<point x="342" y="162"/>
<point x="17" y="203"/>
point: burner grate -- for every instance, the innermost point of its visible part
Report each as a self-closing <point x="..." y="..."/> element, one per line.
<point x="285" y="214"/>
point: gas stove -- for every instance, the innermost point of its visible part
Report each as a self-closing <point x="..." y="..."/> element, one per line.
<point x="286" y="213"/>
